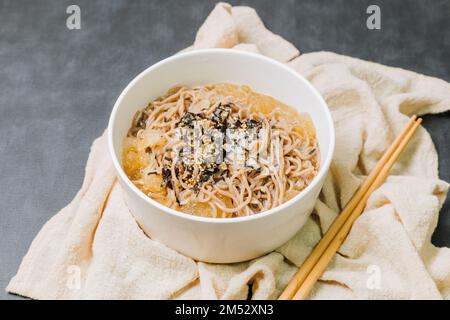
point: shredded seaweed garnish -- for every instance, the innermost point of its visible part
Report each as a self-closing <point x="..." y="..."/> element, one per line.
<point x="210" y="161"/>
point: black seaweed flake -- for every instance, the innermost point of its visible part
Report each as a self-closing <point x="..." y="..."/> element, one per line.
<point x="251" y="123"/>
<point x="209" y="172"/>
<point x="189" y="119"/>
<point x="220" y="115"/>
<point x="166" y="178"/>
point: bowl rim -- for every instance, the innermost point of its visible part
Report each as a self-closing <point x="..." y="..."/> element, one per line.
<point x="121" y="173"/>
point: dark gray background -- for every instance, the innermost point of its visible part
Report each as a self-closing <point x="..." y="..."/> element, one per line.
<point x="57" y="86"/>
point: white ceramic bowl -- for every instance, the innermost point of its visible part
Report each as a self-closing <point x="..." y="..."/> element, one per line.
<point x="212" y="239"/>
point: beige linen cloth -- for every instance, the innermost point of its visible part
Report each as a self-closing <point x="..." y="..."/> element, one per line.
<point x="93" y="248"/>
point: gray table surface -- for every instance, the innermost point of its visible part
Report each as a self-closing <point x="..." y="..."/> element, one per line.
<point x="57" y="86"/>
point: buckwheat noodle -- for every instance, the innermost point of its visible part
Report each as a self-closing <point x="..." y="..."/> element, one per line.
<point x="286" y="140"/>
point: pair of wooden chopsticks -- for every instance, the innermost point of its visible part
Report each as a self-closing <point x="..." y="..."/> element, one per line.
<point x="313" y="267"/>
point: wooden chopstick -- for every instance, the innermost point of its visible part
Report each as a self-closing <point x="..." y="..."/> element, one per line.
<point x="331" y="250"/>
<point x="309" y="263"/>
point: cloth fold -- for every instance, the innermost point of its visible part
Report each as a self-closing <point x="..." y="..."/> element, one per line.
<point x="93" y="248"/>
